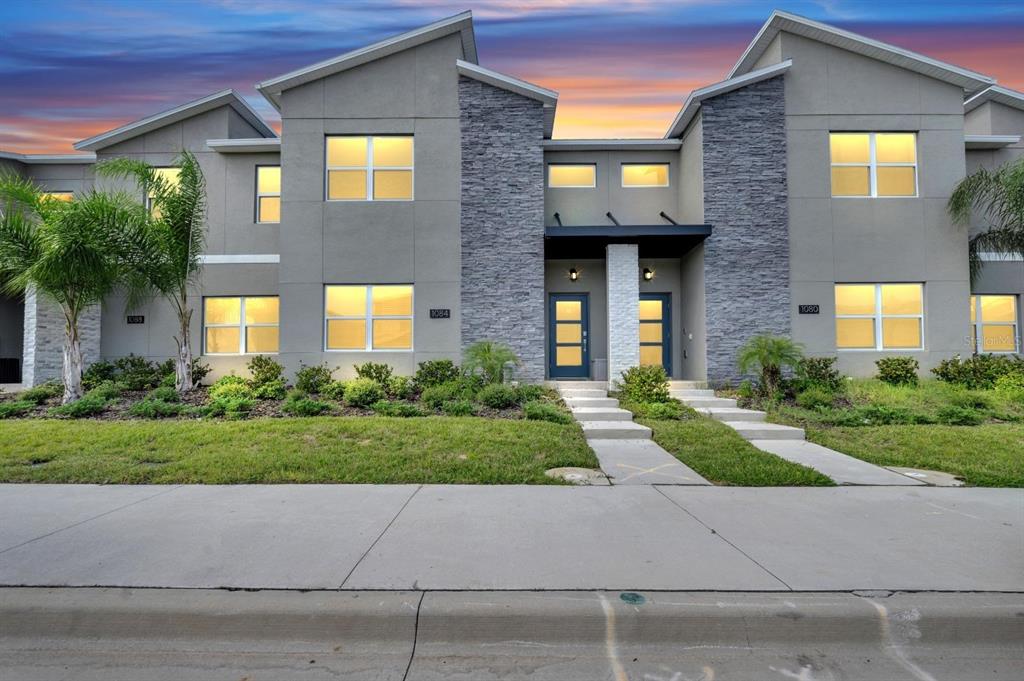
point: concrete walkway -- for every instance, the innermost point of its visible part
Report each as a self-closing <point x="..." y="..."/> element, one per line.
<point x="625" y="449"/>
<point x="478" y="537"/>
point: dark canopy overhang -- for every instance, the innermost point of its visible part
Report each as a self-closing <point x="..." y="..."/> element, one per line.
<point x="589" y="241"/>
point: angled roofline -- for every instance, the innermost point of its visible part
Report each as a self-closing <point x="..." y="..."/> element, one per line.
<point x="996" y="93"/>
<point x="49" y="159"/>
<point x="692" y="105"/>
<point x="970" y="81"/>
<point x="460" y="23"/>
<point x="178" y="113"/>
<point x="246" y="145"/>
<point x="549" y="98"/>
<point x="624" y="144"/>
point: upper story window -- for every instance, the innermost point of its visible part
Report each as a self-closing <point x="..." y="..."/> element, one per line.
<point x="59" y="196"/>
<point x="994" y="323"/>
<point x="239" y="326"/>
<point x="644" y="174"/>
<point x="368" y="317"/>
<point x="171" y="176"/>
<point x="369" y="168"/>
<point x="873" y="163"/>
<point x="566" y="175"/>
<point x="268" y="193"/>
<point x="879" y="316"/>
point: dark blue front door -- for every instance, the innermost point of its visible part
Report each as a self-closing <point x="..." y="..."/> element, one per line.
<point x="656" y="330"/>
<point x="568" y="329"/>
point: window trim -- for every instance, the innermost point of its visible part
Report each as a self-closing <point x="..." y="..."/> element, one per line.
<point x="242" y="326"/>
<point x="668" y="175"/>
<point x="256" y="216"/>
<point x="572" y="186"/>
<point x="369" y="318"/>
<point x="369" y="168"/>
<point x="878" y="317"/>
<point x="873" y="165"/>
<point x="978" y="323"/>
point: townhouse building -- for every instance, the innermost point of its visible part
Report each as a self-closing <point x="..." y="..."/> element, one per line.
<point x="415" y="202"/>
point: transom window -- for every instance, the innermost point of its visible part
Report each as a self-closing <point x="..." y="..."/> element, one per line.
<point x="879" y="316"/>
<point x="873" y="163"/>
<point x="644" y="174"/>
<point x="369" y="168"/>
<point x="565" y="175"/>
<point x="994" y="323"/>
<point x="171" y="176"/>
<point x="239" y="326"/>
<point x="268" y="193"/>
<point x="368" y="317"/>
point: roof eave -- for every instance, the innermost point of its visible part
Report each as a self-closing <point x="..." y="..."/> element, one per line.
<point x="990" y="141"/>
<point x="998" y="94"/>
<point x="49" y="159"/>
<point x="245" y="145"/>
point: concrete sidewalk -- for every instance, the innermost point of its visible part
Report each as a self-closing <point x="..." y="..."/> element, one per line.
<point x="358" y="537"/>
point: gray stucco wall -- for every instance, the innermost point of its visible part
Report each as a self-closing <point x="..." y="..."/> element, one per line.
<point x="746" y="258"/>
<point x="502" y="222"/>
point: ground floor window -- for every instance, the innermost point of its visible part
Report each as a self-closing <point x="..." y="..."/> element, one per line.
<point x="240" y="325"/>
<point x="879" y="316"/>
<point x="377" y="317"/>
<point x="994" y="323"/>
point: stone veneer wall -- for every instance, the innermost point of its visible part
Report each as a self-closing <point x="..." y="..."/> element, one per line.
<point x="746" y="258"/>
<point x="623" y="267"/>
<point x="502" y="223"/>
<point x="43" y="353"/>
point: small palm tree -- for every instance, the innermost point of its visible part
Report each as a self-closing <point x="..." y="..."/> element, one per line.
<point x="174" y="243"/>
<point x="769" y="355"/>
<point x="73" y="252"/>
<point x="489" y="358"/>
<point x="998" y="197"/>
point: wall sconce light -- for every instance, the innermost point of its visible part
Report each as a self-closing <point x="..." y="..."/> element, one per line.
<point x="574" y="274"/>
<point x="648" y="274"/>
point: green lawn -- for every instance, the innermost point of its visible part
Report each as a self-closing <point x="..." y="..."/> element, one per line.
<point x="718" y="453"/>
<point x="989" y="455"/>
<point x="467" y="450"/>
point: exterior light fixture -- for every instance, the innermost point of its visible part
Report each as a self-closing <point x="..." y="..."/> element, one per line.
<point x="574" y="274"/>
<point x="648" y="274"/>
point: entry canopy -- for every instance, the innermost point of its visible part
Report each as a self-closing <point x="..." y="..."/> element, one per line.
<point x="589" y="241"/>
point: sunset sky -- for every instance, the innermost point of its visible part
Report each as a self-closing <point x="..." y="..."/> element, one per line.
<point x="69" y="70"/>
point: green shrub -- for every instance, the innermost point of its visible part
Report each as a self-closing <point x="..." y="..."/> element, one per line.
<point x="199" y="372"/>
<point x="400" y="387"/>
<point x="530" y="392"/>
<point x="462" y="388"/>
<point x="745" y="390"/>
<point x="819" y="372"/>
<point x="972" y="399"/>
<point x="458" y="408"/>
<point x="815" y="397"/>
<point x="231" y="407"/>
<point x="298" y="403"/>
<point x="335" y="390"/>
<point x="230" y="387"/>
<point x="164" y="394"/>
<point x="898" y="370"/>
<point x="488" y="360"/>
<point x="498" y="396"/>
<point x="270" y="390"/>
<point x="979" y="372"/>
<point x="264" y="369"/>
<point x="882" y="415"/>
<point x="88" y="405"/>
<point x="545" y="411"/>
<point x="97" y="373"/>
<point x="399" y="409"/>
<point x="108" y="390"/>
<point x="42" y="393"/>
<point x="1011" y="387"/>
<point x="661" y="411"/>
<point x="375" y="371"/>
<point x="362" y="392"/>
<point x="152" y="408"/>
<point x="644" y="384"/>
<point x="137" y="373"/>
<point x="436" y="372"/>
<point x="17" y="408"/>
<point x="953" y="415"/>
<point x="311" y="379"/>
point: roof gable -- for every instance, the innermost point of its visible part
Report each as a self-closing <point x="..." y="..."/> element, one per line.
<point x="996" y="93"/>
<point x="549" y="98"/>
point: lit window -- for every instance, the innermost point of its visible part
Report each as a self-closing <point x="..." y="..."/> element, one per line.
<point x="644" y="174"/>
<point x="59" y="196"/>
<point x="568" y="176"/>
<point x="268" y="193"/>
<point x="169" y="175"/>
<point x="879" y="316"/>
<point x="368" y="317"/>
<point x="233" y="326"/>
<point x="994" y="323"/>
<point x="873" y="163"/>
<point x="369" y="168"/>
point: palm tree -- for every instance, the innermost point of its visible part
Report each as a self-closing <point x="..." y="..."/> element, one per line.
<point x="489" y="358"/>
<point x="769" y="355"/>
<point x="72" y="252"/>
<point x="998" y="197"/>
<point x="176" y="240"/>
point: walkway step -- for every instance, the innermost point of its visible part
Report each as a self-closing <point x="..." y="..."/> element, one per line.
<point x="642" y="462"/>
<point x="583" y="392"/>
<point x="576" y="385"/>
<point x="615" y="430"/>
<point x="578" y="402"/>
<point x="751" y="430"/>
<point x="601" y="414"/>
<point x="708" y="402"/>
<point x="691" y="392"/>
<point x="843" y="469"/>
<point x="733" y="414"/>
<point x="687" y="385"/>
